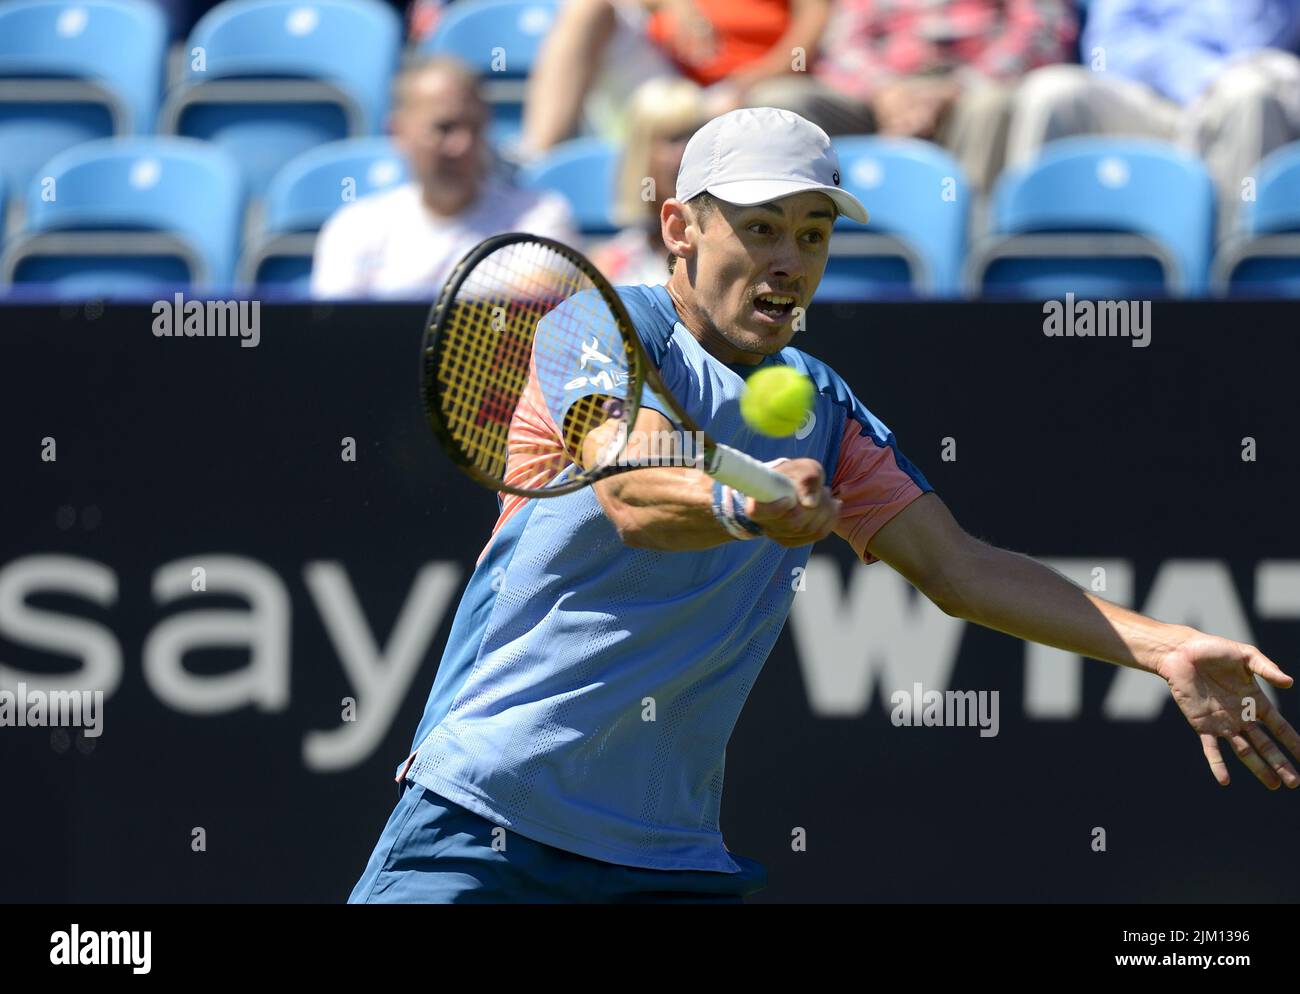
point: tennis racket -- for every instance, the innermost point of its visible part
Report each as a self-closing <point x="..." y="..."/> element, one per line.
<point x="486" y="372"/>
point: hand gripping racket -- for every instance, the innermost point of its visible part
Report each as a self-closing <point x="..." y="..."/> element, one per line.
<point x="487" y="373"/>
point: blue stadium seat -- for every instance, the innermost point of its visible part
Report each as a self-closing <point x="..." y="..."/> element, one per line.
<point x="302" y="197"/>
<point x="1101" y="218"/>
<point x="270" y="79"/>
<point x="72" y="72"/>
<point x="130" y="216"/>
<point x="584" y="171"/>
<point x="499" y="40"/>
<point x="1262" y="258"/>
<point x="918" y="200"/>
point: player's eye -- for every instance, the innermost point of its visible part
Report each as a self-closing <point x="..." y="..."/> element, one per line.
<point x="816" y="237"/>
<point x="760" y="224"/>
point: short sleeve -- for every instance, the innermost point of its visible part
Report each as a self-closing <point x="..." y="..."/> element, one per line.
<point x="579" y="352"/>
<point x="873" y="481"/>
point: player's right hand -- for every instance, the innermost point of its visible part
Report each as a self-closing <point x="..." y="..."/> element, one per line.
<point x="802" y="521"/>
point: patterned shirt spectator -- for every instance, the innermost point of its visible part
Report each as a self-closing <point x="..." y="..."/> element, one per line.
<point x="872" y="42"/>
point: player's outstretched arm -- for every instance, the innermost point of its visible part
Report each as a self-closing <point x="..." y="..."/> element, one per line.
<point x="1212" y="679"/>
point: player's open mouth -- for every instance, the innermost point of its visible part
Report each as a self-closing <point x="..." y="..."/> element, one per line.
<point x="776" y="306"/>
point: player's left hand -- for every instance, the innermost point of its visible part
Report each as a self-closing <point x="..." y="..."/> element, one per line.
<point x="1213" y="681"/>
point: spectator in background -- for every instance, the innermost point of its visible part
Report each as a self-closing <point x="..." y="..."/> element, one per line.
<point x="422" y="18"/>
<point x="599" y="51"/>
<point x="1219" y="76"/>
<point x="405" y="241"/>
<point x="937" y="69"/>
<point x="663" y="115"/>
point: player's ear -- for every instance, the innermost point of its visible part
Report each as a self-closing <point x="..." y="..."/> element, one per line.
<point x="678" y="228"/>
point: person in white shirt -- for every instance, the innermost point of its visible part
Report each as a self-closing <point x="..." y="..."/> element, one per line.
<point x="405" y="241"/>
<point x="662" y="116"/>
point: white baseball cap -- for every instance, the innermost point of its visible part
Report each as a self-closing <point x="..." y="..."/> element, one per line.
<point x="756" y="154"/>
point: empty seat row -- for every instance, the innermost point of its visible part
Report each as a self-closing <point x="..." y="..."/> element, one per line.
<point x="264" y="79"/>
<point x="140" y="215"/>
<point x="1110" y="217"/>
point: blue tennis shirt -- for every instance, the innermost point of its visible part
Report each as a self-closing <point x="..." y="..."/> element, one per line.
<point x="588" y="689"/>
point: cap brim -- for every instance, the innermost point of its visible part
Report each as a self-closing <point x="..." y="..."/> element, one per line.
<point x="746" y="193"/>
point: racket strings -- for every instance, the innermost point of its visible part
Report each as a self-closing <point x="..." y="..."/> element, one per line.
<point x="492" y="365"/>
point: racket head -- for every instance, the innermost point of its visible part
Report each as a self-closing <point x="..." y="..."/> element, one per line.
<point x="482" y="363"/>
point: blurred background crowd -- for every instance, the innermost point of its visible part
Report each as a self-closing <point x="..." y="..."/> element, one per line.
<point x="356" y="149"/>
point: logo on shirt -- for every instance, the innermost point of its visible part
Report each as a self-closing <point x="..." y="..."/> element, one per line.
<point x="805" y="429"/>
<point x="606" y="379"/>
<point x="590" y="353"/>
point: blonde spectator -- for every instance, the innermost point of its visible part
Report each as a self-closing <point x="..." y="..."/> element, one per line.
<point x="662" y="116"/>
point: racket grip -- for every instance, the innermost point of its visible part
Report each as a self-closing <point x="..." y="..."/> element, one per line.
<point x="746" y="474"/>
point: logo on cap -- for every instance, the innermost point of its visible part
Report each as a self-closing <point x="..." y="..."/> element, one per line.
<point x="835" y="177"/>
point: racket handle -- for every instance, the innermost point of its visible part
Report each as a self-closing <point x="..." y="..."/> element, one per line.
<point x="748" y="475"/>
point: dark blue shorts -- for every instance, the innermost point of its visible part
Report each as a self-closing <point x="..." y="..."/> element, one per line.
<point x="433" y="851"/>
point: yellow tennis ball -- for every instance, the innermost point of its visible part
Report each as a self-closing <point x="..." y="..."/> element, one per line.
<point x="775" y="401"/>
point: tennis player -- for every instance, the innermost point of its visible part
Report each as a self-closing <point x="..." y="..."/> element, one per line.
<point x="573" y="745"/>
